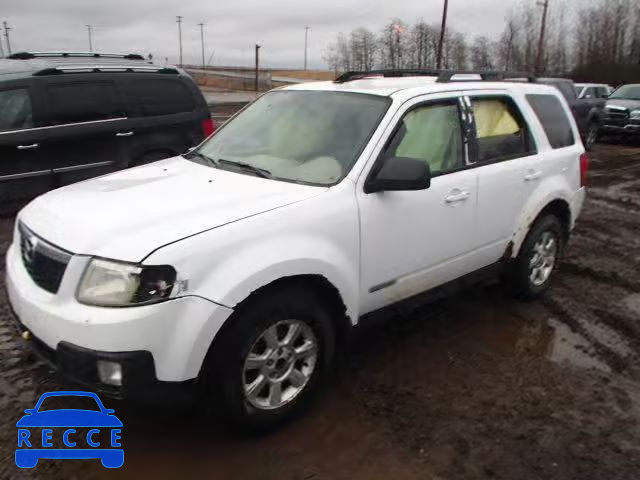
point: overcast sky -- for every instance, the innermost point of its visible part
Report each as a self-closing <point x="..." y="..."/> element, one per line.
<point x="232" y="26"/>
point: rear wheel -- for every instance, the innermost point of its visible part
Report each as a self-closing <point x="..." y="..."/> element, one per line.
<point x="269" y="363"/>
<point x="591" y="136"/>
<point x="532" y="271"/>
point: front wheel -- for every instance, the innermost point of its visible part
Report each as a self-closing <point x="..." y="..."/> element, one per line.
<point x="269" y="363"/>
<point x="532" y="271"/>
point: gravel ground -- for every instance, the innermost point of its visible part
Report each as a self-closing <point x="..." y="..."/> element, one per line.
<point x="475" y="386"/>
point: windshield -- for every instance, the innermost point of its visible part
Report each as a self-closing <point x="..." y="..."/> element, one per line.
<point x="310" y="137"/>
<point x="628" y="92"/>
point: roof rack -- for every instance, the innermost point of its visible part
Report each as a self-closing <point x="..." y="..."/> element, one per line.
<point x="442" y="76"/>
<point x="105" y="69"/>
<point x="32" y="55"/>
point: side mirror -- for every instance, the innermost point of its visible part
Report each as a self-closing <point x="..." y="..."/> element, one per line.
<point x="399" y="174"/>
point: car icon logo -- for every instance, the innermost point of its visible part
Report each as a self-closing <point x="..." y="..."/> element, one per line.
<point x="33" y="446"/>
<point x="29" y="245"/>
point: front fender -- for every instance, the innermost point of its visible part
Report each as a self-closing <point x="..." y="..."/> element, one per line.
<point x="263" y="263"/>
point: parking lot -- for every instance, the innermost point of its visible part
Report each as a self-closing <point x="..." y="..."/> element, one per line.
<point x="475" y="386"/>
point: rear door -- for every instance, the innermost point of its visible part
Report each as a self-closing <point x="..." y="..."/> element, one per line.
<point x="167" y="115"/>
<point x="88" y="129"/>
<point x="504" y="145"/>
<point x="24" y="172"/>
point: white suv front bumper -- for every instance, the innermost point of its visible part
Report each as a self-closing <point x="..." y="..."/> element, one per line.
<point x="177" y="333"/>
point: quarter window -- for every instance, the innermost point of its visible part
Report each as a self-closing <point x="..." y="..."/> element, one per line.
<point x="161" y="97"/>
<point x="501" y="132"/>
<point x="553" y="118"/>
<point x="431" y="133"/>
<point x="83" y="102"/>
<point x="15" y="109"/>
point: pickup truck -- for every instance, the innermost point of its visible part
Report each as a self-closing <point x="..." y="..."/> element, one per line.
<point x="587" y="111"/>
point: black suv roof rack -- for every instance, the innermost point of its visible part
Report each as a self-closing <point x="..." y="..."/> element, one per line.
<point x="442" y="76"/>
<point x="32" y="55"/>
<point x="76" y="68"/>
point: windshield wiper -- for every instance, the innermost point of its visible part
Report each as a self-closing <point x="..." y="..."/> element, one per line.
<point x="261" y="172"/>
<point x="201" y="156"/>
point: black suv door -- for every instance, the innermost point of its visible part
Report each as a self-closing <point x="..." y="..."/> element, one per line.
<point x="24" y="171"/>
<point x="88" y="127"/>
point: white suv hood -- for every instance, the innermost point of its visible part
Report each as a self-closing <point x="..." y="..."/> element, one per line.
<point x="128" y="214"/>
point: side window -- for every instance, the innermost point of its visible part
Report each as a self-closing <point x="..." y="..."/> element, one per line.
<point x="501" y="131"/>
<point x="431" y="133"/>
<point x="602" y="92"/>
<point x="161" y="96"/>
<point x="590" y="93"/>
<point x="553" y="118"/>
<point x="83" y="102"/>
<point x="15" y="109"/>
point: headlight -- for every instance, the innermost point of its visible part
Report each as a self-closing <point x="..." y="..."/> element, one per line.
<point x="635" y="115"/>
<point x="108" y="283"/>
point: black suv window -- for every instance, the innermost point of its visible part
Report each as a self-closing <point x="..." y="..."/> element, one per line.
<point x="501" y="131"/>
<point x="553" y="119"/>
<point x="83" y="102"/>
<point x="161" y="96"/>
<point x="15" y="109"/>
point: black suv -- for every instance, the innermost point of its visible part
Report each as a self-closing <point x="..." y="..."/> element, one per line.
<point x="623" y="111"/>
<point x="66" y="117"/>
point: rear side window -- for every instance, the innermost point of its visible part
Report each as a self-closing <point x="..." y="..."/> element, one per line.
<point x="83" y="102"/>
<point x="15" y="109"/>
<point x="161" y="96"/>
<point x="553" y="118"/>
<point x="502" y="133"/>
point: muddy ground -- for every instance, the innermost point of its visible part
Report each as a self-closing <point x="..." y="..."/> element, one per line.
<point x="476" y="386"/>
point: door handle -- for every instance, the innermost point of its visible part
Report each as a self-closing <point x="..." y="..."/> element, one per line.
<point x="456" y="197"/>
<point x="33" y="146"/>
<point x="124" y="134"/>
<point x="532" y="175"/>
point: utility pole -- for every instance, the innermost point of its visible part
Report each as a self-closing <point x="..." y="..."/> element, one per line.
<point x="179" y="21"/>
<point x="201" y="25"/>
<point x="257" y="64"/>
<point x="6" y="34"/>
<point x="306" y="43"/>
<point x="90" y="30"/>
<point x="442" y="32"/>
<point x="1" y="48"/>
<point x="540" y="60"/>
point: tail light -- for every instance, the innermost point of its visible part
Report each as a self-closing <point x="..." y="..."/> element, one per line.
<point x="208" y="127"/>
<point x="584" y="169"/>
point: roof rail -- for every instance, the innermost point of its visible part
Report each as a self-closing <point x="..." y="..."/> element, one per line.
<point x="32" y="55"/>
<point x="442" y="76"/>
<point x="105" y="69"/>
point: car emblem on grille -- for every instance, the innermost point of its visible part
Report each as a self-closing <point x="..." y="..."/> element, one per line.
<point x="29" y="248"/>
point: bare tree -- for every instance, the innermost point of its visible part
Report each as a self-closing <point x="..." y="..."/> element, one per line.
<point x="393" y="45"/>
<point x="481" y="54"/>
<point x="362" y="44"/>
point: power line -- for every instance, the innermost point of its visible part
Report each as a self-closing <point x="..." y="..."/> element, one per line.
<point x="201" y="25"/>
<point x="442" y="33"/>
<point x="90" y="31"/>
<point x="179" y="21"/>
<point x="306" y="43"/>
<point x="539" y="61"/>
<point x="6" y="34"/>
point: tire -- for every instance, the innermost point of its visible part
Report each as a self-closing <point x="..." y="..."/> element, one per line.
<point x="591" y="136"/>
<point x="246" y="351"/>
<point x="520" y="274"/>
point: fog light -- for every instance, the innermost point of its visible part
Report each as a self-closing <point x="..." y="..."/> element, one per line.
<point x="110" y="372"/>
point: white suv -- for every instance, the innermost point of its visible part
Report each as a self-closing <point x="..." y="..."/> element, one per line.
<point x="241" y="266"/>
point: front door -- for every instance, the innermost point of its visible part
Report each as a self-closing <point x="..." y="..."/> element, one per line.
<point x="415" y="240"/>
